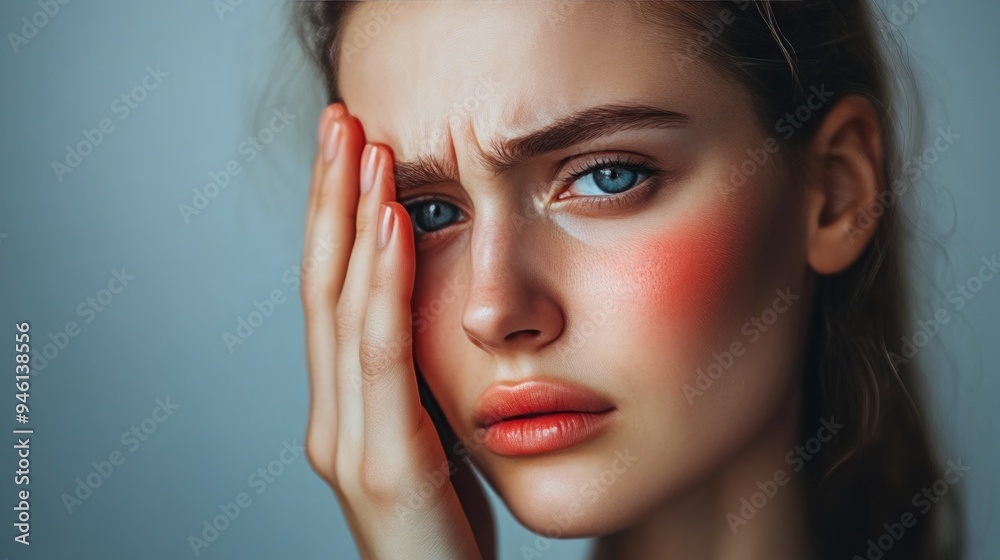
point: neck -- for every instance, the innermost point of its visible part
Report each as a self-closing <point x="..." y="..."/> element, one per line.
<point x="713" y="522"/>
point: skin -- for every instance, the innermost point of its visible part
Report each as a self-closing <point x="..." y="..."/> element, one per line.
<point x="511" y="290"/>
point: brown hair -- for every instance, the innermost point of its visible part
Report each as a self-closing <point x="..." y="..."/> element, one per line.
<point x="865" y="479"/>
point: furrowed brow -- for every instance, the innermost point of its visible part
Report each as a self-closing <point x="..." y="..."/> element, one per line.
<point x="578" y="127"/>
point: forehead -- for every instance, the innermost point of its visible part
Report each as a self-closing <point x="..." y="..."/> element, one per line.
<point x="419" y="71"/>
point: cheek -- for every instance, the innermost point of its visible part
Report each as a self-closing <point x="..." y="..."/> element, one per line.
<point x="690" y="272"/>
<point x="440" y="347"/>
<point x="685" y="290"/>
<point x="693" y="281"/>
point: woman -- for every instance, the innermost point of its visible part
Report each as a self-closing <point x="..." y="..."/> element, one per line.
<point x="640" y="261"/>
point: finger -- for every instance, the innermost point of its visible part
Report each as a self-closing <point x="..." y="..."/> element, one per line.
<point x="326" y="119"/>
<point x="332" y="205"/>
<point x="402" y="453"/>
<point x="321" y="430"/>
<point x="353" y="302"/>
<point x="393" y="413"/>
<point x="332" y="211"/>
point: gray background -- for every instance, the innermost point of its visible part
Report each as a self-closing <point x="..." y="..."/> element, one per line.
<point x="162" y="336"/>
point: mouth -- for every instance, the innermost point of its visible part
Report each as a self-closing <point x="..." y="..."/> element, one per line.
<point x="540" y="416"/>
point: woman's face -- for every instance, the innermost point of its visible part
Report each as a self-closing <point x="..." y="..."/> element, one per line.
<point x="600" y="213"/>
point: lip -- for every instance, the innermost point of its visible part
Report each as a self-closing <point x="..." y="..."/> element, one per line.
<point x="539" y="416"/>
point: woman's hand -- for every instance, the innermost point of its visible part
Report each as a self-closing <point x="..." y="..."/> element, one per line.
<point x="369" y="436"/>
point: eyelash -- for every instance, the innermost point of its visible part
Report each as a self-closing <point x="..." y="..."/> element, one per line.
<point x="592" y="202"/>
<point x="408" y="204"/>
<point x="618" y="201"/>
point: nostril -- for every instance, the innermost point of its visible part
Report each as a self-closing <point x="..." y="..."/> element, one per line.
<point x="513" y="314"/>
<point x="526" y="334"/>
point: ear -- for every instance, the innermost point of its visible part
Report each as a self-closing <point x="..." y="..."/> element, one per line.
<point x="846" y="176"/>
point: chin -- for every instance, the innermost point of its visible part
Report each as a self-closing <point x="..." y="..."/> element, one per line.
<point x="578" y="494"/>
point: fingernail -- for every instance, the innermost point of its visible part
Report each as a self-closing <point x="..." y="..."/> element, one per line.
<point x="386" y="222"/>
<point x="337" y="110"/>
<point x="333" y="141"/>
<point x="330" y="114"/>
<point x="370" y="158"/>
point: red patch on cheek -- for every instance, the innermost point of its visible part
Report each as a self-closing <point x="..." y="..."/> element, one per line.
<point x="689" y="278"/>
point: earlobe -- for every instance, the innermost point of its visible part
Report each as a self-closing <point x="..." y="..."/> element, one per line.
<point x="847" y="175"/>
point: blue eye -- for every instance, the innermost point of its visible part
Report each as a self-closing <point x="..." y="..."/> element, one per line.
<point x="432" y="215"/>
<point x="612" y="180"/>
<point x="609" y="177"/>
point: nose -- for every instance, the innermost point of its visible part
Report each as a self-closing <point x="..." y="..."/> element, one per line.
<point x="511" y="304"/>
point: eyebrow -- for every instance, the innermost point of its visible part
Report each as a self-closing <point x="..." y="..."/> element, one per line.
<point x="575" y="128"/>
